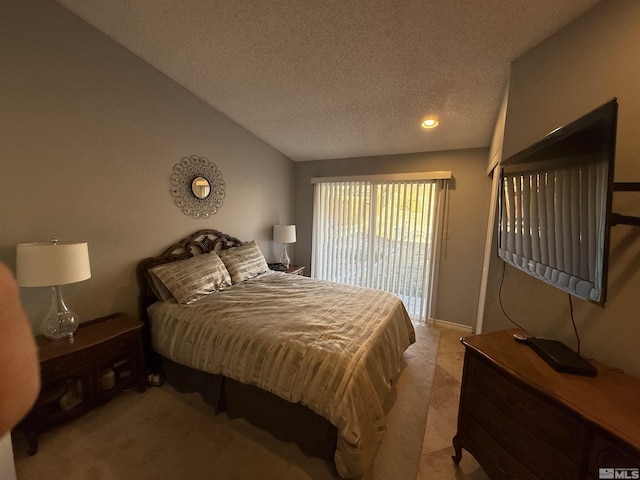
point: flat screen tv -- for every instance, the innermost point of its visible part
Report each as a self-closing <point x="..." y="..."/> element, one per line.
<point x="555" y="205"/>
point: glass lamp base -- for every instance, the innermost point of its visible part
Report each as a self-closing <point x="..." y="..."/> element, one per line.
<point x="60" y="322"/>
<point x="285" y="258"/>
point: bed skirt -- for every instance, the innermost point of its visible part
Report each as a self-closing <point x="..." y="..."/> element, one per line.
<point x="286" y="421"/>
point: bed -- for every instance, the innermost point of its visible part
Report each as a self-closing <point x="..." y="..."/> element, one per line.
<point x="211" y="304"/>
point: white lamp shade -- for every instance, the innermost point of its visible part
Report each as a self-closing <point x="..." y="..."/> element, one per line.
<point x="47" y="264"/>
<point x="284" y="233"/>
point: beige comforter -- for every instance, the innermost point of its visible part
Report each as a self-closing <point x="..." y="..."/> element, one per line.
<point x="332" y="347"/>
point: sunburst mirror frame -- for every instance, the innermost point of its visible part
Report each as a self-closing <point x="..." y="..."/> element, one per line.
<point x="182" y="179"/>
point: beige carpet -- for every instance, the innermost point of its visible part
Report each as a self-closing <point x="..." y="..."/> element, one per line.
<point x="163" y="434"/>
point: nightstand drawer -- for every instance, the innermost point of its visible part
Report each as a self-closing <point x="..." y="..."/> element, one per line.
<point x="61" y="365"/>
<point x="123" y="344"/>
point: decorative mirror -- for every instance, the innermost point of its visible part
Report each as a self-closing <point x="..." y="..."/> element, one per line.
<point x="197" y="185"/>
<point x="201" y="187"/>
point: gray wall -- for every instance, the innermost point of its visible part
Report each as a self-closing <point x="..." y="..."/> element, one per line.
<point x="461" y="264"/>
<point x="584" y="65"/>
<point x="90" y="134"/>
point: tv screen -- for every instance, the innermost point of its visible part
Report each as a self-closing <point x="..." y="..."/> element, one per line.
<point x="555" y="204"/>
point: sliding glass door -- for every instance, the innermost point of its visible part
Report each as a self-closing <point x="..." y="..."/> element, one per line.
<point x="380" y="234"/>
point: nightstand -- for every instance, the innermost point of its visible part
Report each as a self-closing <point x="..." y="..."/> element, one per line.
<point x="295" y="270"/>
<point x="103" y="357"/>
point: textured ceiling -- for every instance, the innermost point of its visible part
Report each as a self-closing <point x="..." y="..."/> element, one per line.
<point x="320" y="79"/>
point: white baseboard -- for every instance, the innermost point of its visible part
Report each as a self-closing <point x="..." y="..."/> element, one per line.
<point x="451" y="326"/>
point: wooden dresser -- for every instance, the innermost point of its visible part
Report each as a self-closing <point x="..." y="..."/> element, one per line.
<point x="521" y="419"/>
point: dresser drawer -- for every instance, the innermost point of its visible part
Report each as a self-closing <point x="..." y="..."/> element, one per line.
<point x="497" y="462"/>
<point x="606" y="451"/>
<point x="544" y="420"/>
<point x="531" y="450"/>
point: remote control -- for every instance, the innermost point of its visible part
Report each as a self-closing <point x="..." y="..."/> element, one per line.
<point x="521" y="338"/>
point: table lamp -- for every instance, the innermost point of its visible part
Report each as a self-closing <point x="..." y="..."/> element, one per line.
<point x="52" y="265"/>
<point x="284" y="234"/>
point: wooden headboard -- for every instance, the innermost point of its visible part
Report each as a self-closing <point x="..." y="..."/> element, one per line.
<point x="202" y="241"/>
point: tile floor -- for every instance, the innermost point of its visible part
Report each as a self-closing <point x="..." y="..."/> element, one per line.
<point x="442" y="418"/>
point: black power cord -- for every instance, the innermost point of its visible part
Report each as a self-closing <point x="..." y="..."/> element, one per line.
<point x="573" y="322"/>
<point x="500" y="299"/>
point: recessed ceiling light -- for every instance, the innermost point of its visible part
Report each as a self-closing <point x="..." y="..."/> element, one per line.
<point x="429" y="123"/>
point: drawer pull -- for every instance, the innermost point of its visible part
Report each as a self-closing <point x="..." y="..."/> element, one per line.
<point x="497" y="461"/>
<point x="504" y="433"/>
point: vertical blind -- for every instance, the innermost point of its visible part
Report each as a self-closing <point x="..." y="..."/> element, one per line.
<point x="551" y="225"/>
<point x="380" y="234"/>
